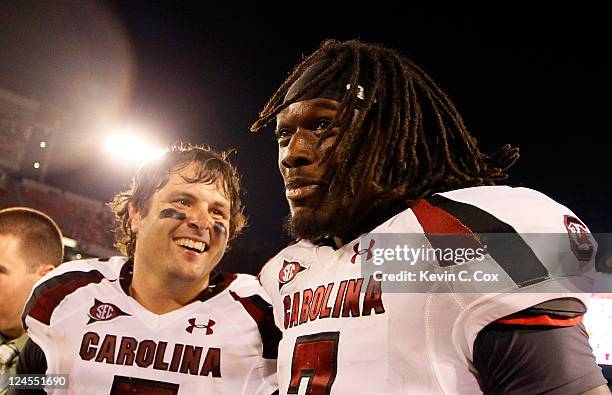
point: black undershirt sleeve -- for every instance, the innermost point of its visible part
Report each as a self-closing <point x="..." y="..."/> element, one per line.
<point x="515" y="359"/>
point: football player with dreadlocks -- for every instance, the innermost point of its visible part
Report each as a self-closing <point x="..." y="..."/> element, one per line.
<point x="370" y="145"/>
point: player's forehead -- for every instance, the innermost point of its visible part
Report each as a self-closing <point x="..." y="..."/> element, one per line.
<point x="10" y="251"/>
<point x="196" y="180"/>
<point x="8" y="240"/>
<point x="305" y="108"/>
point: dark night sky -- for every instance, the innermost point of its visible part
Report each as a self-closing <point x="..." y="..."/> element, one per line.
<point x="538" y="79"/>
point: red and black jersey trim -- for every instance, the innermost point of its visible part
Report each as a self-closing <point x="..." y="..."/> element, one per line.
<point x="261" y="312"/>
<point x="48" y="295"/>
<point x="524" y="319"/>
<point x="438" y="214"/>
<point x="219" y="281"/>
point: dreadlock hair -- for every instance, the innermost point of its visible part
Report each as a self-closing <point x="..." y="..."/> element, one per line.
<point x="211" y="168"/>
<point x="407" y="138"/>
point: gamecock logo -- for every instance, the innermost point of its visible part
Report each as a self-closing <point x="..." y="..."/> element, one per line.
<point x="580" y="238"/>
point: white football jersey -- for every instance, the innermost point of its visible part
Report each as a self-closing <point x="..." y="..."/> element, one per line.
<point x="347" y="331"/>
<point x="88" y="327"/>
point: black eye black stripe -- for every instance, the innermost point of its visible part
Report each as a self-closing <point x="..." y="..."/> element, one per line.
<point x="172" y="213"/>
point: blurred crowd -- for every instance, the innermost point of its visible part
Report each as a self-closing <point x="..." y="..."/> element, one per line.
<point x="82" y="219"/>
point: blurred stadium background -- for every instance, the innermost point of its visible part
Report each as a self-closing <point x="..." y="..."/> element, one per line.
<point x="27" y="138"/>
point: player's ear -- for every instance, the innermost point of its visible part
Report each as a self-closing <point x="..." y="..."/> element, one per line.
<point x="44" y="269"/>
<point x="134" y="215"/>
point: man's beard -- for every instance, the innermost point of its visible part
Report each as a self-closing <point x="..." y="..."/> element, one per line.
<point x="309" y="227"/>
<point x="339" y="221"/>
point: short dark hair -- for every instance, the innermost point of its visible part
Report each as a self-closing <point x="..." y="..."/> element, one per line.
<point x="39" y="235"/>
<point x="408" y="136"/>
<point x="212" y="167"/>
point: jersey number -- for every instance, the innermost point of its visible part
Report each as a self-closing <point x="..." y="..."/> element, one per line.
<point x="315" y="357"/>
<point x="130" y="386"/>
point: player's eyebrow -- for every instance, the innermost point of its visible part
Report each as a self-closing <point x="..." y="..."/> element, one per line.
<point x="182" y="194"/>
<point x="188" y="195"/>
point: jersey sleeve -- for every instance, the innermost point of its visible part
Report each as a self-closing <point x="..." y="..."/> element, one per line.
<point x="249" y="293"/>
<point x="41" y="314"/>
<point x="268" y="278"/>
<point x="539" y="248"/>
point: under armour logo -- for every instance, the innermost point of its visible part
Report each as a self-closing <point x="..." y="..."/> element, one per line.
<point x="192" y="324"/>
<point x="367" y="251"/>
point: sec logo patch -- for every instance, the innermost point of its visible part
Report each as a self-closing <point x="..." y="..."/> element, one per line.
<point x="101" y="311"/>
<point x="288" y="271"/>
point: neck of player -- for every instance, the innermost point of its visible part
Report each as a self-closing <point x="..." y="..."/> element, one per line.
<point x="162" y="296"/>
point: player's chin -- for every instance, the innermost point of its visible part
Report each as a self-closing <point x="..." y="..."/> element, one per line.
<point x="307" y="223"/>
<point x="193" y="273"/>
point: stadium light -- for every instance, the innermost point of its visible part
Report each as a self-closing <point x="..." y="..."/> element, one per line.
<point x="128" y="147"/>
<point x="68" y="242"/>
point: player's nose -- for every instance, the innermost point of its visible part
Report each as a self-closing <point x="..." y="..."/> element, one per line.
<point x="300" y="151"/>
<point x="199" y="217"/>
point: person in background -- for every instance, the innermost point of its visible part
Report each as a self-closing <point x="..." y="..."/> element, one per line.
<point x="30" y="246"/>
